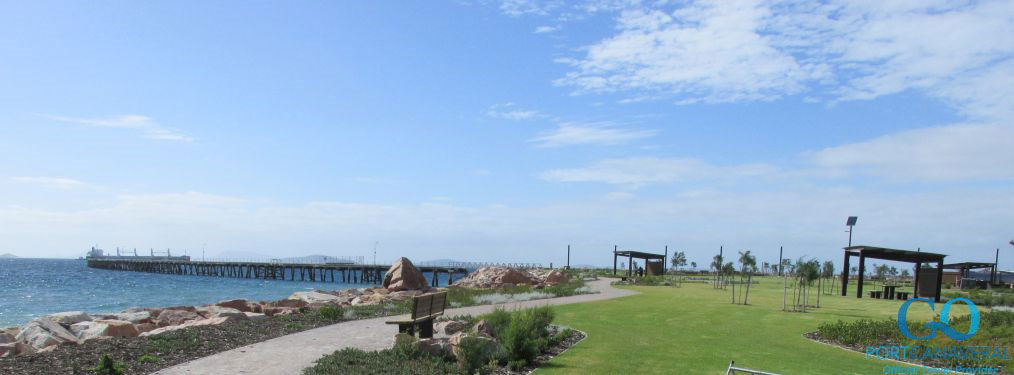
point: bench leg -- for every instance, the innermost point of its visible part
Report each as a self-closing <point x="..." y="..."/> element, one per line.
<point x="407" y="329"/>
<point x="426" y="329"/>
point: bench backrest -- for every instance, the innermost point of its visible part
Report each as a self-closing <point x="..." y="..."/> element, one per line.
<point x="429" y="304"/>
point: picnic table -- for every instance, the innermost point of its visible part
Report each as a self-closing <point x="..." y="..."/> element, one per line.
<point x="889" y="291"/>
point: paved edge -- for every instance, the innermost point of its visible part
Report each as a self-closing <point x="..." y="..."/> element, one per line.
<point x="290" y="354"/>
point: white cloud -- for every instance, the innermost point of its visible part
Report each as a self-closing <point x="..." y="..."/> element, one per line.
<point x="707" y="51"/>
<point x="725" y="51"/>
<point x="148" y="127"/>
<point x="569" y="133"/>
<point x="545" y="29"/>
<point x="516" y="8"/>
<point x="50" y="182"/>
<point x="941" y="153"/>
<point x="510" y="111"/>
<point x="640" y="171"/>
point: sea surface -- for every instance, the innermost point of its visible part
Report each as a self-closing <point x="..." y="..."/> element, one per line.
<point x="31" y="288"/>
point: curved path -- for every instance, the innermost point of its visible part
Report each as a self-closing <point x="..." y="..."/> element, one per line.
<point x="290" y="354"/>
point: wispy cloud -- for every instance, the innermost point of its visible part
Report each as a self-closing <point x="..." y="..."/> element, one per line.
<point x="511" y="111"/>
<point x="50" y="182"/>
<point x="603" y="133"/>
<point x="545" y="29"/>
<point x="147" y="126"/>
<point x="640" y="171"/>
<point x="728" y="51"/>
<point x="517" y="8"/>
<point x="955" y="152"/>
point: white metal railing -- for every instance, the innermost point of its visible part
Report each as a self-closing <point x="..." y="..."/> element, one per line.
<point x="738" y="370"/>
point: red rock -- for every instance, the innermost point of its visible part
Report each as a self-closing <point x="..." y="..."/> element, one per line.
<point x="404" y="276"/>
<point x="176" y="317"/>
<point x="239" y="304"/>
<point x="109" y="328"/>
<point x="288" y="303"/>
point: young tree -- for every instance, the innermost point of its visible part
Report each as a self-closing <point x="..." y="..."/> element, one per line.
<point x="828" y="270"/>
<point x="678" y="260"/>
<point x="716" y="264"/>
<point x="748" y="264"/>
<point x="729" y="269"/>
<point x="693" y="265"/>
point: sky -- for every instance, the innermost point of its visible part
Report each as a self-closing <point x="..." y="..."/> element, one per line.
<point x="506" y="131"/>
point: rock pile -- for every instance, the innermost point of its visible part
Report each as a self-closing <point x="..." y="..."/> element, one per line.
<point x="403" y="281"/>
<point x="496" y="277"/>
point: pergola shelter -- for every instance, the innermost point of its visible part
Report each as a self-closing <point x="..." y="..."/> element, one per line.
<point x="654" y="264"/>
<point x="884" y="253"/>
<point x="964" y="269"/>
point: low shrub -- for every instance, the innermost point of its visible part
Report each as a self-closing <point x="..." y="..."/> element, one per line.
<point x="389" y="361"/>
<point x="331" y="313"/>
<point x="475" y="354"/>
<point x="107" y="366"/>
<point x="526" y="335"/>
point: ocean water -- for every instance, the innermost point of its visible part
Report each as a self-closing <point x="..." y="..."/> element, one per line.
<point x="30" y="288"/>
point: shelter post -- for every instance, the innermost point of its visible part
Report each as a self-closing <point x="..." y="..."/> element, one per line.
<point x="862" y="271"/>
<point x="940" y="279"/>
<point x="845" y="275"/>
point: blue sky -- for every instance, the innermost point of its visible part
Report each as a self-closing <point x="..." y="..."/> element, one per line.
<point x="503" y="131"/>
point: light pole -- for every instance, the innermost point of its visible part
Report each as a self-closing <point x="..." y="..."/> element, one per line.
<point x="851" y="222"/>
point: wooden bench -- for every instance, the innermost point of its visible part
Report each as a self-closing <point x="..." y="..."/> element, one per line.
<point x="425" y="309"/>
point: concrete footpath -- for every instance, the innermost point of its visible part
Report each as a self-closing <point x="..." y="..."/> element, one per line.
<point x="292" y="353"/>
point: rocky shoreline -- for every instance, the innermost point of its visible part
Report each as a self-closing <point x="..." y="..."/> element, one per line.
<point x="50" y="333"/>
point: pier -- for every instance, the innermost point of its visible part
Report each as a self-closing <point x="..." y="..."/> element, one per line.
<point x="350" y="273"/>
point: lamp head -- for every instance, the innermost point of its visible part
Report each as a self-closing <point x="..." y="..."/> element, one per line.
<point x="852" y="221"/>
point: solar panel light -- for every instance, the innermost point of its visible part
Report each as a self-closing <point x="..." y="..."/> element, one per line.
<point x="851" y="221"/>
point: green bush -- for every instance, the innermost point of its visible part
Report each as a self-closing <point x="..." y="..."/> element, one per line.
<point x="355" y="361"/>
<point x="334" y="313"/>
<point x="107" y="366"/>
<point x="527" y="334"/>
<point x="149" y="358"/>
<point x="498" y="319"/>
<point x="562" y="336"/>
<point x="475" y="354"/>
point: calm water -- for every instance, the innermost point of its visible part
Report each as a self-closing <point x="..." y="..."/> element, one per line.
<point x="31" y="288"/>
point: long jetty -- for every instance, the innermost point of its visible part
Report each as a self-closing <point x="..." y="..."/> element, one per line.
<point x="324" y="272"/>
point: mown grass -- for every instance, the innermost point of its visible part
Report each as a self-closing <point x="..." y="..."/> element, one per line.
<point x="696" y="330"/>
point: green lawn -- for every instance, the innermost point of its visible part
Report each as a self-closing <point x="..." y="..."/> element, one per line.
<point x="696" y="330"/>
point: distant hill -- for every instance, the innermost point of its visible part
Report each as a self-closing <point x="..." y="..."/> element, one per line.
<point x="8" y="255"/>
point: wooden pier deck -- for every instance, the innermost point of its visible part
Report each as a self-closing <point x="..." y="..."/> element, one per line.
<point x="322" y="272"/>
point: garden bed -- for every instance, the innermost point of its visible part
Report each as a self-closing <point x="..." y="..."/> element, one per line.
<point x="996" y="329"/>
<point x="143" y="355"/>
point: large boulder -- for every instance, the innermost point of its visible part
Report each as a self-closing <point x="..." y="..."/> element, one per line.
<point x="214" y="311"/>
<point x="136" y="317"/>
<point x="294" y="303"/>
<point x="175" y="317"/>
<point x="189" y="323"/>
<point x="109" y="328"/>
<point x="69" y="317"/>
<point x="404" y="276"/>
<point x="316" y="297"/>
<point x="238" y="304"/>
<point x="255" y="316"/>
<point x="6" y="338"/>
<point x="555" y="277"/>
<point x="438" y="347"/>
<point x="79" y="328"/>
<point x="43" y="332"/>
<point x="488" y="345"/>
<point x="495" y="277"/>
<point x="8" y="349"/>
<point x="484" y="328"/>
<point x="450" y="327"/>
